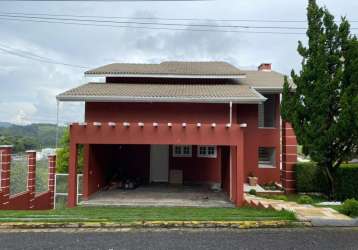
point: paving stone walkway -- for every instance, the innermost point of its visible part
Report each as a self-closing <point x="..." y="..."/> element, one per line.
<point x="309" y="213"/>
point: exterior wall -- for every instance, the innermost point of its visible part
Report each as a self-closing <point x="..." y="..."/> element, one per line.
<point x="195" y="169"/>
<point x="157" y="112"/>
<point x="203" y="113"/>
<point x="256" y="137"/>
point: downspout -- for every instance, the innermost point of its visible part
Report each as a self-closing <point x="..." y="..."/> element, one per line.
<point x="230" y="113"/>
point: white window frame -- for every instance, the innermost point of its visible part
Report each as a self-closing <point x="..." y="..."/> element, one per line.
<point x="206" y="154"/>
<point x="266" y="164"/>
<point x="182" y="154"/>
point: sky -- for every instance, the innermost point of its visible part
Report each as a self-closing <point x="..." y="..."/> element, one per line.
<point x="28" y="88"/>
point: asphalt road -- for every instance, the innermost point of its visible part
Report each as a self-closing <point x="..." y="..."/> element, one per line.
<point x="305" y="238"/>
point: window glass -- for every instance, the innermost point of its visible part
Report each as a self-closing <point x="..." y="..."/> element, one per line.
<point x="267" y="112"/>
<point x="182" y="151"/>
<point x="207" y="151"/>
<point x="266" y="157"/>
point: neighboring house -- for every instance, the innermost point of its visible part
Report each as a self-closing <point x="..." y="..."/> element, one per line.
<point x="213" y="122"/>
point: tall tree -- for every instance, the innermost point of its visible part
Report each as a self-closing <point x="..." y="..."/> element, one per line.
<point x="323" y="106"/>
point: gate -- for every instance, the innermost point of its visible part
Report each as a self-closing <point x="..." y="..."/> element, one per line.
<point x="61" y="190"/>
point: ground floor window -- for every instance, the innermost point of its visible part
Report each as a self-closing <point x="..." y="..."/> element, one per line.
<point x="207" y="151"/>
<point x="182" y="151"/>
<point x="266" y="157"/>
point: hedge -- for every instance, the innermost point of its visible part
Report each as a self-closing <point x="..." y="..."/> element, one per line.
<point x="347" y="182"/>
<point x="311" y="178"/>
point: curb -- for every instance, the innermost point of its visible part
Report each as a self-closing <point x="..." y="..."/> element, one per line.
<point x="156" y="224"/>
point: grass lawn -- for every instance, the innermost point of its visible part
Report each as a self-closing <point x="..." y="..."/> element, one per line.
<point x="127" y="214"/>
<point x="293" y="197"/>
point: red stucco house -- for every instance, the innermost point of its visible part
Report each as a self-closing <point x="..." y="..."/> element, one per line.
<point x="187" y="122"/>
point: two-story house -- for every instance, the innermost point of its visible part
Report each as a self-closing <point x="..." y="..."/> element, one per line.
<point x="195" y="122"/>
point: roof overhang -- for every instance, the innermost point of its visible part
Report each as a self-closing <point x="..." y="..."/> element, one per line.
<point x="240" y="100"/>
<point x="168" y="76"/>
<point x="268" y="90"/>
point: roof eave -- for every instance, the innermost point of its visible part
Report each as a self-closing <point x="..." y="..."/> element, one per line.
<point x="238" y="76"/>
<point x="265" y="90"/>
<point x="241" y="100"/>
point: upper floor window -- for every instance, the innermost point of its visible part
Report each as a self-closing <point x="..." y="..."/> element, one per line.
<point x="267" y="112"/>
<point x="182" y="151"/>
<point x="266" y="157"/>
<point x="207" y="151"/>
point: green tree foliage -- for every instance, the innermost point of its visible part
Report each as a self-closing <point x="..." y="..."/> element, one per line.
<point x="34" y="136"/>
<point x="63" y="155"/>
<point x="323" y="108"/>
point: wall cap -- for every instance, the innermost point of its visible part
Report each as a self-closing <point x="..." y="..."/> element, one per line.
<point x="6" y="146"/>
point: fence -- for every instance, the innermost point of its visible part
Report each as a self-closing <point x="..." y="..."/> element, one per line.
<point x="25" y="182"/>
<point x="61" y="189"/>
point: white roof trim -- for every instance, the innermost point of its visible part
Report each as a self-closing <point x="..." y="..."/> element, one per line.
<point x="243" y="100"/>
<point x="168" y="76"/>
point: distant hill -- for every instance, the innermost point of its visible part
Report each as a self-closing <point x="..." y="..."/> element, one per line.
<point x="5" y="124"/>
<point x="34" y="136"/>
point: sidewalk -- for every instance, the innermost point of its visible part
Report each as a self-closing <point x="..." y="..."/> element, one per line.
<point x="317" y="216"/>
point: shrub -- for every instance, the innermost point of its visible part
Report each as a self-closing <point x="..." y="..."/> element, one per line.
<point x="310" y="178"/>
<point x="305" y="199"/>
<point x="252" y="192"/>
<point x="350" y="208"/>
<point x="347" y="184"/>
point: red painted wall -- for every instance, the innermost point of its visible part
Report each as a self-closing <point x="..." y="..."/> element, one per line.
<point x="157" y="112"/>
<point x="256" y="137"/>
<point x="195" y="169"/>
<point x="204" y="113"/>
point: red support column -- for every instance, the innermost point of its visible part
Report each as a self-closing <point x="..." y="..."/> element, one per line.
<point x="289" y="158"/>
<point x="233" y="175"/>
<point x="240" y="170"/>
<point x="5" y="161"/>
<point x="31" y="176"/>
<point x="51" y="178"/>
<point x="86" y="171"/>
<point x="72" y="176"/>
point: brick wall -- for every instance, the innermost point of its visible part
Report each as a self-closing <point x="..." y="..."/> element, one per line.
<point x="28" y="200"/>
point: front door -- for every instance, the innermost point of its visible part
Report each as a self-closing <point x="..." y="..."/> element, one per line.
<point x="159" y="163"/>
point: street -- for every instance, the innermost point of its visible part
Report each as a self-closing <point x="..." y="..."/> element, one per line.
<point x="294" y="238"/>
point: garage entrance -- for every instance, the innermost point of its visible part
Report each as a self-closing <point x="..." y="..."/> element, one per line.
<point x="154" y="175"/>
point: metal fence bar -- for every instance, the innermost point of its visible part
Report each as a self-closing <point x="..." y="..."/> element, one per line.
<point x="79" y="194"/>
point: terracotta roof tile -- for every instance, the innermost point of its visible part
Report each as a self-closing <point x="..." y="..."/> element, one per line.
<point x="168" y="68"/>
<point x="163" y="93"/>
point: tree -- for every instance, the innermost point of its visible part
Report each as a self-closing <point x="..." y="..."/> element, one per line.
<point x="63" y="155"/>
<point x="323" y="108"/>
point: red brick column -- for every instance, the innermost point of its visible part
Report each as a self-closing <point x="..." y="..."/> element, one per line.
<point x="31" y="176"/>
<point x="51" y="178"/>
<point x="5" y="161"/>
<point x="289" y="158"/>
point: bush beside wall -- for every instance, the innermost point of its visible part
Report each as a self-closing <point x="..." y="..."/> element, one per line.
<point x="310" y="178"/>
<point x="347" y="182"/>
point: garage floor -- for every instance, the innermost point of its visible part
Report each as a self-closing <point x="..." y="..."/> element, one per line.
<point x="160" y="195"/>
